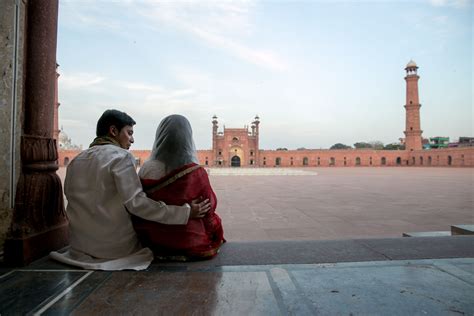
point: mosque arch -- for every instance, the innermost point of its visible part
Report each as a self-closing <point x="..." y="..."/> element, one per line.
<point x="278" y="161"/>
<point x="233" y="152"/>
<point x="450" y="160"/>
<point x="235" y="161"/>
<point x="399" y="161"/>
<point x="357" y="161"/>
<point x="383" y="161"/>
<point x="305" y="161"/>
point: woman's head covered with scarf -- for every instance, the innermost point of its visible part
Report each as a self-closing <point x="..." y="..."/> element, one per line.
<point x="174" y="145"/>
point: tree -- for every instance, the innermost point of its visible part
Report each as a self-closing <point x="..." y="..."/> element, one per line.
<point x="340" y="146"/>
<point x="282" y="148"/>
<point x="376" y="144"/>
<point x="360" y="145"/>
<point x="301" y="148"/>
<point x="394" y="146"/>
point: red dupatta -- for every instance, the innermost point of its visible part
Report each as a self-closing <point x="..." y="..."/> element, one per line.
<point x="199" y="238"/>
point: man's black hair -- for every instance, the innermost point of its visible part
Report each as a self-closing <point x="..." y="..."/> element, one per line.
<point x="112" y="117"/>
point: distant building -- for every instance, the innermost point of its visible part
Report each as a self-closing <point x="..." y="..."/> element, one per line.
<point x="66" y="148"/>
<point x="466" y="142"/>
<point x="65" y="142"/>
<point x="234" y="147"/>
<point x="439" y="142"/>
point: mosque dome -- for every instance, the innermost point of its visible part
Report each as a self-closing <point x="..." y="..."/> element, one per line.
<point x="411" y="64"/>
<point x="65" y="142"/>
<point x="63" y="138"/>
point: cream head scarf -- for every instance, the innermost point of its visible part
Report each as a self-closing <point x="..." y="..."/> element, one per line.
<point x="174" y="145"/>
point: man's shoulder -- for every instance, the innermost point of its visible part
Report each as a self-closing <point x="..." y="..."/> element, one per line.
<point x="113" y="149"/>
<point x="105" y="151"/>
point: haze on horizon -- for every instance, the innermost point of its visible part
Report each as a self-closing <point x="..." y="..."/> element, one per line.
<point x="316" y="72"/>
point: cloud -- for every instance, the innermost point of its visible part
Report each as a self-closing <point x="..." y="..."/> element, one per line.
<point x="98" y="22"/>
<point x="450" y="3"/>
<point x="72" y="123"/>
<point x="224" y="26"/>
<point x="87" y="13"/>
<point x="151" y="92"/>
<point x="267" y="59"/>
<point x="139" y="86"/>
<point x="79" y="80"/>
<point x="441" y="19"/>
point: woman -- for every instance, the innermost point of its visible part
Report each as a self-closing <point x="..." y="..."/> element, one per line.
<point x="172" y="175"/>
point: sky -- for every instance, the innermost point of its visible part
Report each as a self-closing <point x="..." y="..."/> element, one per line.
<point x="315" y="72"/>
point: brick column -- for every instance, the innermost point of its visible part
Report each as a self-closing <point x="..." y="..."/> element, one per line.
<point x="39" y="224"/>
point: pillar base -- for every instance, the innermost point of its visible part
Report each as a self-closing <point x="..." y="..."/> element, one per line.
<point x="22" y="251"/>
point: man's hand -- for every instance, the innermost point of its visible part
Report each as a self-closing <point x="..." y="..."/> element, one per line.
<point x="199" y="207"/>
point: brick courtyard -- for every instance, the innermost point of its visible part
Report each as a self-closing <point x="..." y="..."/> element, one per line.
<point x="341" y="203"/>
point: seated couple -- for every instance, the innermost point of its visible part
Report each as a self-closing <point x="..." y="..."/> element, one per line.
<point x="172" y="175"/>
<point x="116" y="216"/>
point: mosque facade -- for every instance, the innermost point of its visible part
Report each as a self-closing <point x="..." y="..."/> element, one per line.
<point x="239" y="147"/>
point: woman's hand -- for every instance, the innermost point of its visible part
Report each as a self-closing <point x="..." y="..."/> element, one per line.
<point x="199" y="207"/>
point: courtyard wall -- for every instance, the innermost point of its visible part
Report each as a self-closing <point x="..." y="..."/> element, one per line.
<point x="445" y="157"/>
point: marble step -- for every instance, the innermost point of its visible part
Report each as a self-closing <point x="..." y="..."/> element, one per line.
<point x="427" y="234"/>
<point x="462" y="229"/>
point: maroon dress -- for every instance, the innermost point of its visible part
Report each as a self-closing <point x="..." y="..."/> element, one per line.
<point x="200" y="238"/>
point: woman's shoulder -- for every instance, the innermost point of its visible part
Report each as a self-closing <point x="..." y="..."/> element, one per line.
<point x="152" y="169"/>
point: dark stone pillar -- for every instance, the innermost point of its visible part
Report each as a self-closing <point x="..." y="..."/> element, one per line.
<point x="39" y="224"/>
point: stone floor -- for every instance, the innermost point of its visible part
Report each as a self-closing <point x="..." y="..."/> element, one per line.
<point x="398" y="276"/>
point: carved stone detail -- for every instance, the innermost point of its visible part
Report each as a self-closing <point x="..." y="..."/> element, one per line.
<point x="37" y="149"/>
<point x="39" y="222"/>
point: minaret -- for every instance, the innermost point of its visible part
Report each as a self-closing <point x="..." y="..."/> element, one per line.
<point x="214" y="139"/>
<point x="412" y="126"/>
<point x="255" y="124"/>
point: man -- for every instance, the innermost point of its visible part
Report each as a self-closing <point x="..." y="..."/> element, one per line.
<point x="103" y="189"/>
